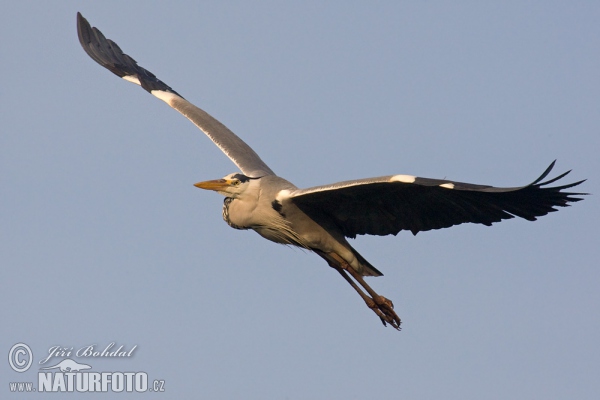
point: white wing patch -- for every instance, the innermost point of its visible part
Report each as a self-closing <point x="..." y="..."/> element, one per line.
<point x="282" y="195"/>
<point x="132" y="79"/>
<point x="447" y="185"/>
<point x="167" y="97"/>
<point x="403" y="178"/>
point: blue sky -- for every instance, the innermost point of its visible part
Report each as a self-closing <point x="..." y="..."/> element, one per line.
<point x="105" y="239"/>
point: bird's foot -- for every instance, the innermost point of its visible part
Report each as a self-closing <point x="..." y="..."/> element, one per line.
<point x="384" y="308"/>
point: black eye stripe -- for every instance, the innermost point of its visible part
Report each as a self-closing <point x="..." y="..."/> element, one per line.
<point x="242" y="178"/>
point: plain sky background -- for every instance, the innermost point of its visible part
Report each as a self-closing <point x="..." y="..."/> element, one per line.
<point x="104" y="238"/>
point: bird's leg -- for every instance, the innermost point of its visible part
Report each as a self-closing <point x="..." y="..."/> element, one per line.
<point x="381" y="306"/>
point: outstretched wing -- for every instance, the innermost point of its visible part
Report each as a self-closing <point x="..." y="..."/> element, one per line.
<point x="389" y="204"/>
<point x="106" y="53"/>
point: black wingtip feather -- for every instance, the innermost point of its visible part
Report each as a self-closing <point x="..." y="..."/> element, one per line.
<point x="554" y="179"/>
<point x="108" y="54"/>
<point x="545" y="173"/>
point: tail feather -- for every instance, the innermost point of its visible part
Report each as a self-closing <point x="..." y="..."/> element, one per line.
<point x="369" y="270"/>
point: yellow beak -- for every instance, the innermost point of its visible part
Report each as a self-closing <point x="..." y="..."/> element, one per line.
<point x="216" y="185"/>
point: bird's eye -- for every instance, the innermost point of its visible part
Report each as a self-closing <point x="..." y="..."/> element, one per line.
<point x="236" y="182"/>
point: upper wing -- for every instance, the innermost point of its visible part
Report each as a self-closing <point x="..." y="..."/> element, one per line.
<point x="389" y="204"/>
<point x="106" y="53"/>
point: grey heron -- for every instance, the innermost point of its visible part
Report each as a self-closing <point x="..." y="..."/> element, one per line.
<point x="321" y="218"/>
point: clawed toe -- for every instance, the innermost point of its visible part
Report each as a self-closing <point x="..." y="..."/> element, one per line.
<point x="384" y="309"/>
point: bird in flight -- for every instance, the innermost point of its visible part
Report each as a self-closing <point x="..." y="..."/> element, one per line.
<point x="321" y="218"/>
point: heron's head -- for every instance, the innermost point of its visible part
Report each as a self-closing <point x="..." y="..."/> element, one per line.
<point x="232" y="185"/>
